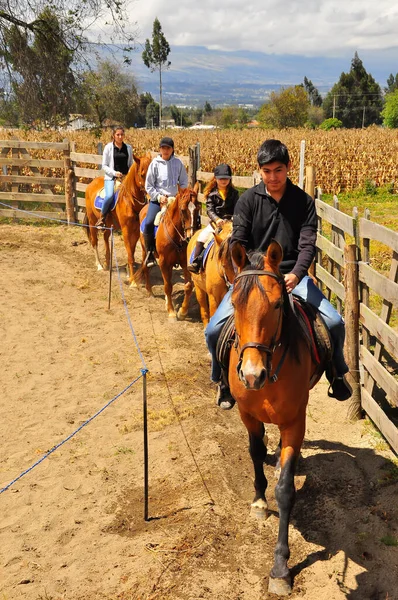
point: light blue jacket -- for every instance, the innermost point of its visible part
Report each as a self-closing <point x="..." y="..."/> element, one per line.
<point x="107" y="160"/>
<point x="164" y="177"/>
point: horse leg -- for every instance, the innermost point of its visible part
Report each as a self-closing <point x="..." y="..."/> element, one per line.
<point x="167" y="271"/>
<point x="280" y="579"/>
<point x="203" y="302"/>
<point x="188" y="289"/>
<point x="92" y="234"/>
<point x="107" y="235"/>
<point x="258" y="453"/>
<point x="130" y="241"/>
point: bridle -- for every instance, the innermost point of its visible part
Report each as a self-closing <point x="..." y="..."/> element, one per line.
<point x="274" y="344"/>
<point x="183" y="237"/>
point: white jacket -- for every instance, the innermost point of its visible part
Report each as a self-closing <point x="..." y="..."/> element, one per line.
<point x="107" y="160"/>
<point x="164" y="177"/>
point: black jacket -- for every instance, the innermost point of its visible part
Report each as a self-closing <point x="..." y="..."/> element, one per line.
<point x="292" y="221"/>
<point x="217" y="208"/>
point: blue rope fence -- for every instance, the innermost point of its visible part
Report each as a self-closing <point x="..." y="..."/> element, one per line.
<point x="144" y="370"/>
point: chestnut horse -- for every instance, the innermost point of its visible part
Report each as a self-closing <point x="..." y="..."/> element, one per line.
<point x="176" y="227"/>
<point x="270" y="372"/>
<point x="124" y="216"/>
<point x="212" y="283"/>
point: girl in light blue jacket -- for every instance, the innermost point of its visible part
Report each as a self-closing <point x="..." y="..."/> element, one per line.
<point x="116" y="162"/>
<point x="166" y="172"/>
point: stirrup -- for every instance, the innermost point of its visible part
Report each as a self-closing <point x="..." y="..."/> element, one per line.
<point x="195" y="266"/>
<point x="150" y="260"/>
<point x="100" y="224"/>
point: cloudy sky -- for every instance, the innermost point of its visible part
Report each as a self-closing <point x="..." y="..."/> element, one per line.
<point x="332" y="28"/>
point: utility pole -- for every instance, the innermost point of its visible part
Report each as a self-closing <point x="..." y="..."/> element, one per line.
<point x="334" y="105"/>
<point x="363" y="117"/>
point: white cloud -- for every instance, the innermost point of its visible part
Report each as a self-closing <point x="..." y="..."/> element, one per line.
<point x="310" y="27"/>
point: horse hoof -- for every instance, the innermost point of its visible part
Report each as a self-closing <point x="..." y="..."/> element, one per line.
<point x="172" y="316"/>
<point x="280" y="587"/>
<point x="100" y="268"/>
<point x="259" y="510"/>
<point x="133" y="284"/>
<point x="181" y="315"/>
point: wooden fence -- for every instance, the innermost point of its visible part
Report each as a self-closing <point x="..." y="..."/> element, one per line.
<point x="342" y="259"/>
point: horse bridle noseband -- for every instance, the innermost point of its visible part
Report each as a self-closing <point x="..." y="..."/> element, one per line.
<point x="268" y="350"/>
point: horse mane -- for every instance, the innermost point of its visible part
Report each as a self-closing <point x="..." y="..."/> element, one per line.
<point x="292" y="334"/>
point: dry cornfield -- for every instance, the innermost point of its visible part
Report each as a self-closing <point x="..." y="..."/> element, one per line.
<point x="343" y="159"/>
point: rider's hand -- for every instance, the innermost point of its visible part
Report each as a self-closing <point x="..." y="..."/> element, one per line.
<point x="220" y="222"/>
<point x="118" y="175"/>
<point x="291" y="281"/>
<point x="162" y="200"/>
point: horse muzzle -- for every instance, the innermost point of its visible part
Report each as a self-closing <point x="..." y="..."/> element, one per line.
<point x="253" y="376"/>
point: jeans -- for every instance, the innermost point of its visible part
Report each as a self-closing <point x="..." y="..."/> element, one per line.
<point x="109" y="190"/>
<point x="306" y="290"/>
<point x="153" y="209"/>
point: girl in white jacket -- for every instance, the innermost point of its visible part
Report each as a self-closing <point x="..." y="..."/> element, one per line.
<point x="116" y="162"/>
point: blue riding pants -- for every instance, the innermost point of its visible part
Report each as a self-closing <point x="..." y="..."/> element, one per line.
<point x="306" y="290"/>
<point x="109" y="190"/>
<point x="153" y="209"/>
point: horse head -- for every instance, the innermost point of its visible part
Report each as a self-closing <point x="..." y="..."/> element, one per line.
<point x="222" y="238"/>
<point x="134" y="182"/>
<point x="258" y="302"/>
<point x="188" y="206"/>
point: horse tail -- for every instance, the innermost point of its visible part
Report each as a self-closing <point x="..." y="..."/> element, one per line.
<point x="139" y="275"/>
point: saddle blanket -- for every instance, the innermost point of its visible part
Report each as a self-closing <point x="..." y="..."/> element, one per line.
<point x="99" y="199"/>
<point x="142" y="227"/>
<point x="205" y="255"/>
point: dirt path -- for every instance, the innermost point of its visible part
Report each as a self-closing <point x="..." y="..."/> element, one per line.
<point x="73" y="528"/>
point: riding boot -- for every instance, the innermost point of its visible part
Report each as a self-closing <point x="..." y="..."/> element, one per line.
<point x="197" y="261"/>
<point x="150" y="260"/>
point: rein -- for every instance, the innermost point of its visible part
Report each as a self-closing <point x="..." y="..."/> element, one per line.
<point x="183" y="239"/>
<point x="268" y="350"/>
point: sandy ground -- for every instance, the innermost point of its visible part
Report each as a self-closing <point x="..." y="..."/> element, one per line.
<point x="73" y="526"/>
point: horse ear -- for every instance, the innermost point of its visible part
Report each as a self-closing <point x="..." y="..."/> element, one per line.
<point x="239" y="256"/>
<point x="196" y="187"/>
<point x="274" y="254"/>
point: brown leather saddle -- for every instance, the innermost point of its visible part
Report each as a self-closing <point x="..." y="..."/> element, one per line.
<point x="314" y="329"/>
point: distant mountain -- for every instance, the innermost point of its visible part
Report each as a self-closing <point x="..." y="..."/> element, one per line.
<point x="198" y="74"/>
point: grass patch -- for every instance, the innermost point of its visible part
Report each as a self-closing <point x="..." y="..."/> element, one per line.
<point x="389" y="540"/>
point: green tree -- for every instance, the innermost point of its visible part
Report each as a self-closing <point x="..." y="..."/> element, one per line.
<point x="207" y="108"/>
<point x="74" y="18"/>
<point x="43" y="85"/>
<point x="155" y="56"/>
<point x="313" y="93"/>
<point x="331" y="123"/>
<point x="356" y="99"/>
<point x="390" y="110"/>
<point x="392" y="83"/>
<point x="109" y="93"/>
<point x="286" y="108"/>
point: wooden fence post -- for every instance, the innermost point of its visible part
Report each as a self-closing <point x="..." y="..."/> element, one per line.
<point x="351" y="284"/>
<point x="310" y="181"/>
<point x="192" y="166"/>
<point x="69" y="185"/>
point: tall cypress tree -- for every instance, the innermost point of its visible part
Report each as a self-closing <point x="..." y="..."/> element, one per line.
<point x="356" y="99"/>
<point x="155" y="56"/>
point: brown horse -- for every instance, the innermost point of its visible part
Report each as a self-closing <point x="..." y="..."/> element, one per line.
<point x="212" y="283"/>
<point x="270" y="373"/>
<point x="124" y="216"/>
<point x="175" y="229"/>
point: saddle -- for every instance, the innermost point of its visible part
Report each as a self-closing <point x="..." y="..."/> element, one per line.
<point x="313" y="327"/>
<point x="99" y="199"/>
